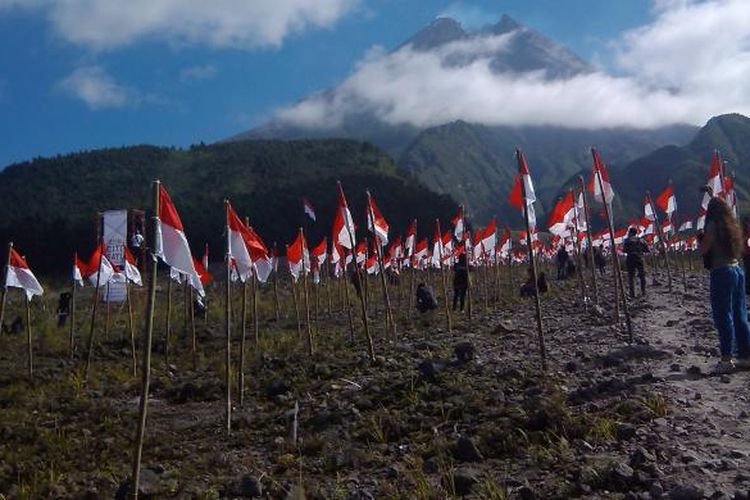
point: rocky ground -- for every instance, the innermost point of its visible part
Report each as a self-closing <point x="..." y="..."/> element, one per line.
<point x="439" y="415"/>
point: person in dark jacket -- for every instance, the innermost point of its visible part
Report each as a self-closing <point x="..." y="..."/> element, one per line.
<point x="63" y="308"/>
<point x="634" y="248"/>
<point x="460" y="282"/>
<point x="425" y="299"/>
<point x="528" y="289"/>
<point x="599" y="261"/>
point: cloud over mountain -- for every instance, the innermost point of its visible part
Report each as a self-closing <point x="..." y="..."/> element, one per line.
<point x="691" y="62"/>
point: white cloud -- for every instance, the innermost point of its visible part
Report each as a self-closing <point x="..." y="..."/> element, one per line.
<point x="107" y="24"/>
<point x="198" y="73"/>
<point x="93" y="86"/>
<point x="691" y="62"/>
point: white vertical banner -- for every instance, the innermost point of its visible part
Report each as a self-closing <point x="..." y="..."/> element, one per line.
<point x="115" y="237"/>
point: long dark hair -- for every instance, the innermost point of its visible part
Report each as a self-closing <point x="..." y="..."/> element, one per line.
<point x="728" y="232"/>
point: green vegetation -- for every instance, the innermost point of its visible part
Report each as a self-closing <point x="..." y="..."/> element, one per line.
<point x="49" y="205"/>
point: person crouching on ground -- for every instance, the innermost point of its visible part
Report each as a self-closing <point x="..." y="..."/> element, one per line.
<point x="528" y="289"/>
<point x="460" y="282"/>
<point x="635" y="248"/>
<point x="721" y="246"/>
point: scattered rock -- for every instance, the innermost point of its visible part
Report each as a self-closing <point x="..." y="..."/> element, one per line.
<point x="250" y="486"/>
<point x="695" y="370"/>
<point x="466" y="451"/>
<point x="640" y="457"/>
<point x="277" y="387"/>
<point x="622" y="475"/>
<point x="686" y="492"/>
<point x="571" y="366"/>
<point x="675" y="367"/>
<point x="464" y="351"/>
<point x="623" y="432"/>
<point x="464" y="480"/>
<point x="431" y="368"/>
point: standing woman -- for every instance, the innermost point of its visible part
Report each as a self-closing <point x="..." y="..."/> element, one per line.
<point x="721" y="247"/>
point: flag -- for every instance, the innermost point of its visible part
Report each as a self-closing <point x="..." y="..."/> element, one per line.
<point x="729" y="193"/>
<point x="202" y="270"/>
<point x="376" y="223"/>
<point x="308" y="208"/>
<point x="666" y="201"/>
<point x="171" y="243"/>
<point x="320" y="253"/>
<point x="488" y="237"/>
<point x="298" y="256"/>
<point x="204" y="259"/>
<point x="648" y="210"/>
<point x="562" y="215"/>
<point x="411" y="237"/>
<point x="78" y="266"/>
<point x="99" y="264"/>
<point x="132" y="273"/>
<point x="18" y="275"/>
<point x="700" y="222"/>
<point x="458" y="224"/>
<point x="506" y="243"/>
<point x="246" y="247"/>
<point x="343" y="224"/>
<point x="685" y="226"/>
<point x="522" y="186"/>
<point x="600" y="179"/>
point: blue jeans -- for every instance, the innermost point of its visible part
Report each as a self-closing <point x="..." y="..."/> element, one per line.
<point x="730" y="310"/>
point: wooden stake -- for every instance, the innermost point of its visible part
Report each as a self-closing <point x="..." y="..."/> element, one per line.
<point x="131" y="326"/>
<point x="168" y="321"/>
<point x="389" y="319"/>
<point x="243" y="329"/>
<point x="589" y="244"/>
<point x="276" y="305"/>
<point x="193" y="336"/>
<point x="439" y="235"/>
<point x="664" y="243"/>
<point x="93" y="315"/>
<point x="146" y="368"/>
<point x="310" y="347"/>
<point x="256" y="320"/>
<point x="577" y="247"/>
<point x="228" y="329"/>
<point x="615" y="260"/>
<point x="71" y="333"/>
<point x="29" y="348"/>
<point x="532" y="261"/>
<point x="4" y="291"/>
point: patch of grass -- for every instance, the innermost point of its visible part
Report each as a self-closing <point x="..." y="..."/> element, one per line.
<point x="656" y="404"/>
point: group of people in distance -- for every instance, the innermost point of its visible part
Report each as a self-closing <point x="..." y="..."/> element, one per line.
<point x="722" y="245"/>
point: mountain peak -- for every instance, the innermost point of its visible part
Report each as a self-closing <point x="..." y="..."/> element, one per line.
<point x="440" y="31"/>
<point x="506" y="24"/>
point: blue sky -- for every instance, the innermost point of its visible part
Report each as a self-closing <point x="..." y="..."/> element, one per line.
<point x="91" y="77"/>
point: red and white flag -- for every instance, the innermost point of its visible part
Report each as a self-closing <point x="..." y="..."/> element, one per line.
<point x="132" y="273"/>
<point x="420" y="253"/>
<point x="204" y="259"/>
<point x="171" y="244"/>
<point x="599" y="183"/>
<point x="99" y="268"/>
<point x="308" y="208"/>
<point x="411" y="238"/>
<point x="18" y="275"/>
<point x="376" y="223"/>
<point x="343" y="224"/>
<point x="78" y="266"/>
<point x="666" y="201"/>
<point x="202" y="271"/>
<point x="562" y="214"/>
<point x="685" y="226"/>
<point x="730" y="196"/>
<point x="458" y="224"/>
<point x="506" y="244"/>
<point x="648" y="210"/>
<point x="488" y="237"/>
<point x="298" y="257"/>
<point x="320" y="253"/>
<point x="246" y="248"/>
<point x="523" y="190"/>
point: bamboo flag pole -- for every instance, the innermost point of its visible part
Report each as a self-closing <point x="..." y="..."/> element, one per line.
<point x="310" y="347"/>
<point x="4" y="291"/>
<point x="168" y="320"/>
<point x="29" y="348"/>
<point x="589" y="243"/>
<point x="664" y="243"/>
<point x="276" y="306"/>
<point x="107" y="315"/>
<point x="71" y="333"/>
<point x="390" y="323"/>
<point x="254" y="292"/>
<point x="243" y="329"/>
<point x="362" y="299"/>
<point x="439" y="249"/>
<point x="131" y="326"/>
<point x="532" y="262"/>
<point x="615" y="260"/>
<point x="93" y="315"/>
<point x="346" y="303"/>
<point x="228" y="326"/>
<point x="578" y="253"/>
<point x="412" y="273"/>
<point x="193" y="336"/>
<point x="146" y="347"/>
